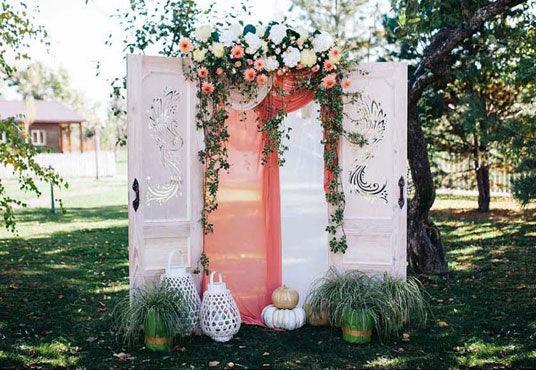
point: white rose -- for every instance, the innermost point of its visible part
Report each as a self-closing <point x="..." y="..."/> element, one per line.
<point x="253" y="41"/>
<point x="202" y="33"/>
<point x="308" y="57"/>
<point x="271" y="64"/>
<point x="322" y="42"/>
<point x="291" y="57"/>
<point x="277" y="33"/>
<point x="217" y="49"/>
<point x="231" y="34"/>
<point x="199" y="55"/>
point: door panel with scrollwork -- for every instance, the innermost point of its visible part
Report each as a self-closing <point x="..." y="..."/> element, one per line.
<point x="164" y="172"/>
<point x="373" y="174"/>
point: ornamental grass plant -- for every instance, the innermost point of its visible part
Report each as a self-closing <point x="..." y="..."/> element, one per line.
<point x="150" y="303"/>
<point x="391" y="302"/>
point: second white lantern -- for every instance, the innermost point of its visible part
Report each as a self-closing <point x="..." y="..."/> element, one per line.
<point x="220" y="318"/>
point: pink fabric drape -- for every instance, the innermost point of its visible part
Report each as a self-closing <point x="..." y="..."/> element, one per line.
<point x="246" y="243"/>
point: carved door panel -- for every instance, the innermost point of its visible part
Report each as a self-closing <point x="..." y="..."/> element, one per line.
<point x="374" y="175"/>
<point x="163" y="169"/>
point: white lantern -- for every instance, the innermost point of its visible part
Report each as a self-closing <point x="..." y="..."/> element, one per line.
<point x="220" y="318"/>
<point x="177" y="278"/>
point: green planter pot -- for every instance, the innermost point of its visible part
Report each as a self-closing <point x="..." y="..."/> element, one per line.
<point x="156" y="337"/>
<point x="357" y="326"/>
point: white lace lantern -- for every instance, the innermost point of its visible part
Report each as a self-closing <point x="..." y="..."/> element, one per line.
<point x="220" y="318"/>
<point x="177" y="278"/>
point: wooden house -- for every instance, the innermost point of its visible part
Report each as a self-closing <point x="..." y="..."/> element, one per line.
<point x="49" y="124"/>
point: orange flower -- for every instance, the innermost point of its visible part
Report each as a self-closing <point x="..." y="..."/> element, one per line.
<point x="237" y="52"/>
<point x="185" y="45"/>
<point x="329" y="65"/>
<point x="262" y="80"/>
<point x="202" y="72"/>
<point x="219" y="70"/>
<point x="335" y="54"/>
<point x="329" y="81"/>
<point x="207" y="87"/>
<point x="259" y="64"/>
<point x="249" y="74"/>
<point x="346" y="83"/>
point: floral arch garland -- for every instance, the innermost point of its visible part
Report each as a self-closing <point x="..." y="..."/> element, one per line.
<point x="260" y="67"/>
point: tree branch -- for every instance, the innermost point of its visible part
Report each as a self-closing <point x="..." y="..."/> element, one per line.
<point x="437" y="53"/>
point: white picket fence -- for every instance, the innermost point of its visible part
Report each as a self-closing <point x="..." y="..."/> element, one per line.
<point x="458" y="175"/>
<point x="70" y="165"/>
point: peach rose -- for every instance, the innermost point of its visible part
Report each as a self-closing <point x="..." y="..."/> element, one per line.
<point x="315" y="68"/>
<point x="346" y="83"/>
<point x="250" y="74"/>
<point x="202" y="72"/>
<point x="259" y="64"/>
<point x="185" y="45"/>
<point x="329" y="65"/>
<point x="329" y="81"/>
<point x="335" y="55"/>
<point x="262" y="79"/>
<point x="207" y="88"/>
<point x="237" y="52"/>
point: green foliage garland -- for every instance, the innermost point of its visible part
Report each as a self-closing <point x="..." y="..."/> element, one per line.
<point x="211" y="117"/>
<point x="276" y="137"/>
<point x="331" y="104"/>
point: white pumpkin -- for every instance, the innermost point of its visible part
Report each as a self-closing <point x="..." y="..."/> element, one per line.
<point x="276" y="318"/>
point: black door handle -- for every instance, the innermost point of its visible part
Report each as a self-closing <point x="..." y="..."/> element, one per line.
<point x="401" y="184"/>
<point x="136" y="201"/>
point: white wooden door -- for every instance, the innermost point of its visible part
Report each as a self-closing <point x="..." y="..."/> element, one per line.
<point x="164" y="173"/>
<point x="374" y="176"/>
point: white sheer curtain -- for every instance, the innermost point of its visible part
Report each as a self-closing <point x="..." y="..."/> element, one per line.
<point x="304" y="213"/>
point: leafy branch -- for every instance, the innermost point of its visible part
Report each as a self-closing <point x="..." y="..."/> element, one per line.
<point x="19" y="155"/>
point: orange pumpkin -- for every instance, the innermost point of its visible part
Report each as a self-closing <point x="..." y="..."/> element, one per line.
<point x="285" y="298"/>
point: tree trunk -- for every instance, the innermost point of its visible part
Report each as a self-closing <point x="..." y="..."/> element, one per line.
<point x="482" y="181"/>
<point x="425" y="248"/>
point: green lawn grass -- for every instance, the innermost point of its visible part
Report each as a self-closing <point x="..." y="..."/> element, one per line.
<point x="60" y="277"/>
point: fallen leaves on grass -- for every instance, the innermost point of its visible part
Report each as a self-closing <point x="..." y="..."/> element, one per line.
<point x="442" y="324"/>
<point x="122" y="357"/>
<point x="213" y="363"/>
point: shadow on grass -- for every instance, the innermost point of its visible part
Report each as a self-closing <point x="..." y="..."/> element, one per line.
<point x="56" y="292"/>
<point x="72" y="214"/>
